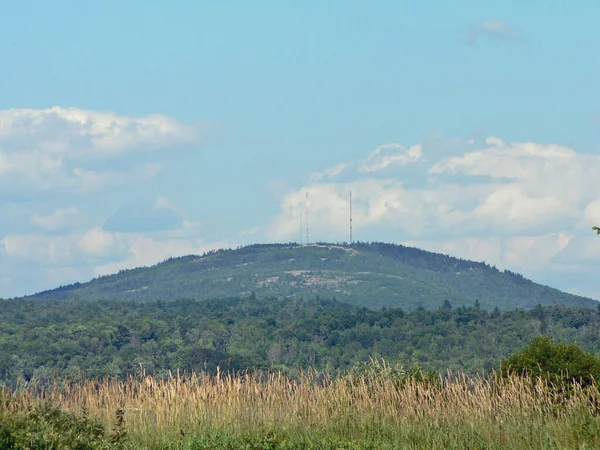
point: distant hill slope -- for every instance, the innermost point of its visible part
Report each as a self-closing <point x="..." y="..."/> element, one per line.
<point x="371" y="275"/>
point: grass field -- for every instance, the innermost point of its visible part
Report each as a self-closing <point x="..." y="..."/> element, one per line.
<point x="377" y="409"/>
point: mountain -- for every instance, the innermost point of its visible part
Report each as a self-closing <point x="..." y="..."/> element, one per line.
<point x="372" y="275"/>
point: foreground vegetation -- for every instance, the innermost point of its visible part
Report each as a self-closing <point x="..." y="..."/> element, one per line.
<point x="544" y="396"/>
<point x="75" y="339"/>
<point x="381" y="407"/>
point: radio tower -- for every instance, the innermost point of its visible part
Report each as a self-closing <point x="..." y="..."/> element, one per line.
<point x="350" y="217"/>
<point x="301" y="229"/>
<point x="306" y="221"/>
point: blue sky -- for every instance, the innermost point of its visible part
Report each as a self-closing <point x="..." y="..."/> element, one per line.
<point x="134" y="131"/>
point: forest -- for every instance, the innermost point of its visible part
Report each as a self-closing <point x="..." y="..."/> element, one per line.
<point x="77" y="339"/>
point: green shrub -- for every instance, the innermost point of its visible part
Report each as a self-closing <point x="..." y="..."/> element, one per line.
<point x="7" y="438"/>
<point x="48" y="427"/>
<point x="560" y="364"/>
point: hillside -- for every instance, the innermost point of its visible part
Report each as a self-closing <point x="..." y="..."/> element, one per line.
<point x="371" y="275"/>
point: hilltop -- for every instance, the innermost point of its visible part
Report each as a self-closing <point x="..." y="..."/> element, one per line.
<point x="372" y="275"/>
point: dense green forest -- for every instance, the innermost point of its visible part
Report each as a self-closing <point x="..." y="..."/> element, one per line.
<point x="74" y="338"/>
<point x="371" y="275"/>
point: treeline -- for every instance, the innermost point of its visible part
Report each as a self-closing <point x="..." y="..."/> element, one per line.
<point x="74" y="339"/>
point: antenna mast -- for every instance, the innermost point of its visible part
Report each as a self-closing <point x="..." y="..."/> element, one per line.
<point x="307" y="232"/>
<point x="350" y="217"/>
<point x="301" y="229"/>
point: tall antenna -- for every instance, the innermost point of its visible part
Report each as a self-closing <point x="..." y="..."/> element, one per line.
<point x="350" y="217"/>
<point x="301" y="228"/>
<point x="307" y="232"/>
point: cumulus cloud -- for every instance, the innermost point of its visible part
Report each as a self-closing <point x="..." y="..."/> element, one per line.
<point x="390" y="155"/>
<point x="517" y="160"/>
<point x="492" y="29"/>
<point x="144" y="251"/>
<point x="83" y="133"/>
<point x="535" y="184"/>
<point x="46" y="261"/>
<point x="582" y="250"/>
<point x="67" y="148"/>
<point x="59" y="219"/>
<point x="382" y="160"/>
<point x="97" y="241"/>
<point x="515" y="253"/>
<point x="61" y="246"/>
<point x="57" y="156"/>
<point x="40" y="248"/>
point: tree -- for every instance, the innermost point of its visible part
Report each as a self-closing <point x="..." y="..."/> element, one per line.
<point x="561" y="364"/>
<point x="596" y="229"/>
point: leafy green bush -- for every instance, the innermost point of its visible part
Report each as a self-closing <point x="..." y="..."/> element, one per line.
<point x="48" y="427"/>
<point x="561" y="364"/>
<point x="7" y="438"/>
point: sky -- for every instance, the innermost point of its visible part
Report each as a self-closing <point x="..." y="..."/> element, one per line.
<point x="134" y="131"/>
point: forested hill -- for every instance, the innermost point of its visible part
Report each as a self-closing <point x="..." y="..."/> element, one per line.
<point x="371" y="275"/>
<point x="42" y="340"/>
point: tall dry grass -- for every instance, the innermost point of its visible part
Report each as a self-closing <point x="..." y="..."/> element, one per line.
<point x="394" y="412"/>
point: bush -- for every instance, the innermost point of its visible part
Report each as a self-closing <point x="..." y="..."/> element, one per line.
<point x="560" y="364"/>
<point x="46" y="426"/>
<point x="7" y="439"/>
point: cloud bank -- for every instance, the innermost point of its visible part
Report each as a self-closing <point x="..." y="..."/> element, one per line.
<point x="66" y="148"/>
<point x="51" y="162"/>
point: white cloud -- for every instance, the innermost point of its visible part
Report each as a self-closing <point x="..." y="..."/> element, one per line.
<point x="493" y="29"/>
<point x="97" y="241"/>
<point x="331" y="172"/>
<point x="59" y="219"/>
<point x="162" y="202"/>
<point x="145" y="251"/>
<point x="522" y="253"/>
<point x="390" y="155"/>
<point x="515" y="160"/>
<point x="44" y="261"/>
<point x="381" y="161"/>
<point x="67" y="148"/>
<point x="512" y="207"/>
<point x="84" y="133"/>
<point x="591" y="214"/>
<point x="534" y="185"/>
<point x="40" y="248"/>
<point x="582" y="250"/>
